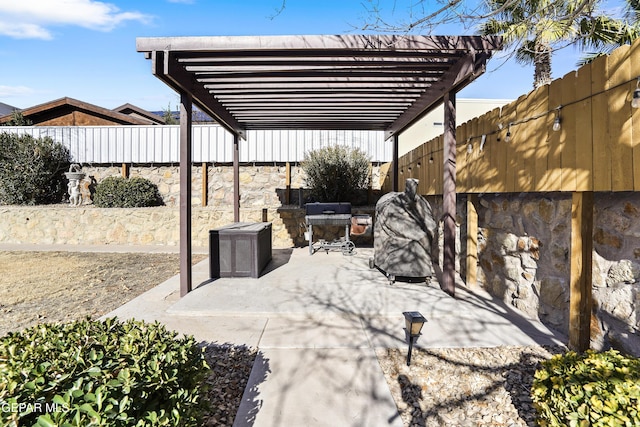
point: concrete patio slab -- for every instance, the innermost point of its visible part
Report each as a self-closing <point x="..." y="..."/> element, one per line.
<point x="299" y="331"/>
<point x="317" y="387"/>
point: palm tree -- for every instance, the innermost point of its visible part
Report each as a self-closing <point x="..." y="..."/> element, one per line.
<point x="536" y="28"/>
<point x="632" y="17"/>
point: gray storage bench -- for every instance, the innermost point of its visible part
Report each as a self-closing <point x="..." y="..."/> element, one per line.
<point x="241" y="249"/>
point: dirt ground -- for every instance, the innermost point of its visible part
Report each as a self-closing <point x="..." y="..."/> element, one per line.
<point x="39" y="287"/>
<point x="42" y="287"/>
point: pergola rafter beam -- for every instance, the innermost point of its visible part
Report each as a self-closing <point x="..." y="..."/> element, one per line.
<point x="177" y="78"/>
<point x="467" y="69"/>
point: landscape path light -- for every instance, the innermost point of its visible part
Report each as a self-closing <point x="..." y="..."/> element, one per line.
<point x="413" y="325"/>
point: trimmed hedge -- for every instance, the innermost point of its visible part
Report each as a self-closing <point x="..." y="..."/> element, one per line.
<point x="100" y="373"/>
<point x="590" y="389"/>
<point x="118" y="192"/>
<point x="32" y="170"/>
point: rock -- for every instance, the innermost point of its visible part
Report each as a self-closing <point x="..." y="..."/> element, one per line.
<point x="624" y="271"/>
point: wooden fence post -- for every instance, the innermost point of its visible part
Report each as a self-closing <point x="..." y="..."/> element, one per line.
<point x="205" y="184"/>
<point x="581" y="301"/>
<point x="472" y="239"/>
<point x="125" y="170"/>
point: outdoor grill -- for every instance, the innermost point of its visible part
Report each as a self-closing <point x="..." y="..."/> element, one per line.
<point x="325" y="214"/>
<point x="403" y="234"/>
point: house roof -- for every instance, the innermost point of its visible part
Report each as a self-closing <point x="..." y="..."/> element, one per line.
<point x="42" y="110"/>
<point x="135" y="111"/>
<point x="6" y="109"/>
<point x="373" y="82"/>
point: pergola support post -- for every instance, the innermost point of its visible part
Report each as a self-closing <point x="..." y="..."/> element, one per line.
<point x="394" y="164"/>
<point x="449" y="195"/>
<point x="287" y="183"/>
<point x="580" y="299"/>
<point x="185" y="193"/>
<point x="236" y="178"/>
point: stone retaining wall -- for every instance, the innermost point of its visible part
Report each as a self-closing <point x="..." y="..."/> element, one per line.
<point x="89" y="225"/>
<point x="524" y="258"/>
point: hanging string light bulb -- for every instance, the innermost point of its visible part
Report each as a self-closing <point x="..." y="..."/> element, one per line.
<point x="507" y="137"/>
<point x="557" y="120"/>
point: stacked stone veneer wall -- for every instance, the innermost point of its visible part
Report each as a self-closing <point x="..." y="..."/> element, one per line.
<point x="89" y="225"/>
<point x="524" y="258"/>
<point x="261" y="186"/>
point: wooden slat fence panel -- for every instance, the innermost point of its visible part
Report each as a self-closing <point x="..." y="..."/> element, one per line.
<point x="496" y="173"/>
<point x="538" y="130"/>
<point x="552" y="178"/>
<point x="508" y="115"/>
<point x="475" y="168"/>
<point x="567" y="133"/>
<point x="600" y="119"/>
<point x="462" y="160"/>
<point x="584" y="130"/>
<point x="596" y="149"/>
<point x="619" y="133"/>
<point x="634" y="64"/>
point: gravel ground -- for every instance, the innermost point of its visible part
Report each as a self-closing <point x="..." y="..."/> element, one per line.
<point x="464" y="386"/>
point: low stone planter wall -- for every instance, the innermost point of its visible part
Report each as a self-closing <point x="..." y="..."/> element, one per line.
<point x="89" y="225"/>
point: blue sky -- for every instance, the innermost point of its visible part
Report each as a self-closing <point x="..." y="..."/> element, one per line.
<point x="86" y="49"/>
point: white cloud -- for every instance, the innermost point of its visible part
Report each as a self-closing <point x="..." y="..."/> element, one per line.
<point x="19" y="30"/>
<point x="31" y="18"/>
<point x="14" y="91"/>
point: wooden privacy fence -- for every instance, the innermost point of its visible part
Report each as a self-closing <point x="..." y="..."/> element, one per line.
<point x="516" y="149"/>
<point x="578" y="134"/>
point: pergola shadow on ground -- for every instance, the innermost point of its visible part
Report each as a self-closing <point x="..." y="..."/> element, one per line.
<point x="371" y="82"/>
<point x="317" y="322"/>
<point x="323" y="298"/>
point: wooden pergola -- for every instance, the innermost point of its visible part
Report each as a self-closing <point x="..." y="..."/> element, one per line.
<point x="369" y="82"/>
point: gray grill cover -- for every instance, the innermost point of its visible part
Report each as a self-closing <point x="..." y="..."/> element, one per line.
<point x="403" y="233"/>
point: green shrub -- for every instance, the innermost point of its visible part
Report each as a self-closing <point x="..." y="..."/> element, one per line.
<point x="32" y="170"/>
<point x="590" y="389"/>
<point x="100" y="373"/>
<point x="335" y="173"/>
<point x="118" y="192"/>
